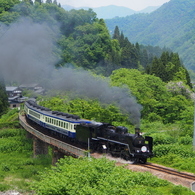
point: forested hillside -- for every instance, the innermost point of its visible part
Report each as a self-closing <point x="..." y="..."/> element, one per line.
<point x="57" y="37"/>
<point x="171" y="25"/>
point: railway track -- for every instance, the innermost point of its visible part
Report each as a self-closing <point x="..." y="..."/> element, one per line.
<point x="170" y="171"/>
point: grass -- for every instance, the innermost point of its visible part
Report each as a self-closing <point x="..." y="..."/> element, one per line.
<point x="18" y="168"/>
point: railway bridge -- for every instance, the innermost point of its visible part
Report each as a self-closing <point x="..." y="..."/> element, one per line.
<point x="42" y="141"/>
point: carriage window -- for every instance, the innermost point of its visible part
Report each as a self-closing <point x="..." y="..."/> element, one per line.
<point x="35" y="114"/>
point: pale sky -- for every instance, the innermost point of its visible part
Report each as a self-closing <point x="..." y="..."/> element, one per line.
<point x="132" y="4"/>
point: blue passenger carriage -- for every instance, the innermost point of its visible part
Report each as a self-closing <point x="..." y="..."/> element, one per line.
<point x="60" y="122"/>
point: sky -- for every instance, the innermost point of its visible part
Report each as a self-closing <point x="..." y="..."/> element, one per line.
<point x="132" y="4"/>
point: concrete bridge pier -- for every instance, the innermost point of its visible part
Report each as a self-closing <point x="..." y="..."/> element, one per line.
<point x="56" y="155"/>
<point x="29" y="135"/>
<point x="39" y="147"/>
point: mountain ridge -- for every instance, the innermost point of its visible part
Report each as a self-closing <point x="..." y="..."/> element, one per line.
<point x="171" y="25"/>
<point x="112" y="11"/>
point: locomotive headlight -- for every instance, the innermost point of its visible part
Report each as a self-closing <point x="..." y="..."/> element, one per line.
<point x="143" y="148"/>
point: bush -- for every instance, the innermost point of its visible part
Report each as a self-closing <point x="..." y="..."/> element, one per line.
<point x="180" y="150"/>
<point x="161" y="150"/>
<point x="95" y="176"/>
<point x="185" y="140"/>
<point x="11" y="115"/>
<point x="160" y="138"/>
<point x="4" y="187"/>
<point x="177" y="190"/>
<point x="5" y="167"/>
<point x="10" y="133"/>
<point x="154" y="117"/>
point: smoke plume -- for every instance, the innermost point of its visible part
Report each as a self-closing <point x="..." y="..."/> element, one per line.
<point x="26" y="53"/>
<point x="83" y="84"/>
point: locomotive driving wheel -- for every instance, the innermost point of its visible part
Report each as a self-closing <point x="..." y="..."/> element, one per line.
<point x="124" y="155"/>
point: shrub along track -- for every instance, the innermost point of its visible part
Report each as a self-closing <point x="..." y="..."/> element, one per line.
<point x="178" y="178"/>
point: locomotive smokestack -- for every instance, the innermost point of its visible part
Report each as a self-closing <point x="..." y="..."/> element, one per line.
<point x="137" y="130"/>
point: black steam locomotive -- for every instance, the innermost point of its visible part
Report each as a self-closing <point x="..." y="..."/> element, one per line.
<point x="99" y="137"/>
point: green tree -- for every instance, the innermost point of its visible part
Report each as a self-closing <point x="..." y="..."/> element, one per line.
<point x="143" y="57"/>
<point x="169" y="68"/>
<point x="28" y="1"/>
<point x="115" y="55"/>
<point x="149" y="90"/>
<point x="24" y="8"/>
<point x="116" y="34"/>
<point x="39" y="1"/>
<point x="158" y="69"/>
<point x="160" y="101"/>
<point x="55" y="2"/>
<point x="91" y="44"/>
<point x="174" y="108"/>
<point x="88" y="109"/>
<point x="9" y="17"/>
<point x="3" y="98"/>
<point x="48" y="1"/>
<point x="6" y="5"/>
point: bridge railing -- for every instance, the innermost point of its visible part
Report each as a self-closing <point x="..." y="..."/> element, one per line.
<point x="52" y="141"/>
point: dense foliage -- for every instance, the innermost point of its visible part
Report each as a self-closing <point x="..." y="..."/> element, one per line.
<point x="169" y="68"/>
<point x="17" y="167"/>
<point x="100" y="176"/>
<point x="3" y="98"/>
<point x="160" y="101"/>
<point x="88" y="109"/>
<point x="171" y="25"/>
<point x="174" y="151"/>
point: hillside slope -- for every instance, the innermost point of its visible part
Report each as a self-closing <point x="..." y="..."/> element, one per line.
<point x="171" y="25"/>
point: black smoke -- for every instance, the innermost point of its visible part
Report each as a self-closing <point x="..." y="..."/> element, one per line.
<point x="83" y="84"/>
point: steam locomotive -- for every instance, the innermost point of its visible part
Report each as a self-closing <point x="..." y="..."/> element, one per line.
<point x="97" y="136"/>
